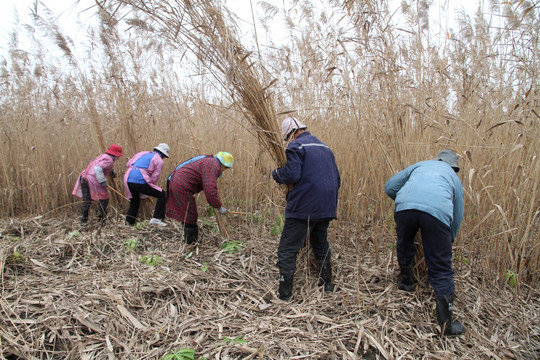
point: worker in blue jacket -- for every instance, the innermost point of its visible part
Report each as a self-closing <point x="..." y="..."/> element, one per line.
<point x="312" y="172"/>
<point x="428" y="196"/>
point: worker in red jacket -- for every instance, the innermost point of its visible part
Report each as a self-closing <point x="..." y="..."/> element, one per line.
<point x="197" y="174"/>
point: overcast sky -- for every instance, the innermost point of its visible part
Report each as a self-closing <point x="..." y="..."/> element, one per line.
<point x="69" y="14"/>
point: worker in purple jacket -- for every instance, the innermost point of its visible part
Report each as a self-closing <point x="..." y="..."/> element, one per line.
<point x="312" y="172"/>
<point x="140" y="181"/>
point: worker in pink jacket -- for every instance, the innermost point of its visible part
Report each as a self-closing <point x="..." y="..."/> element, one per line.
<point x="92" y="182"/>
<point x="141" y="180"/>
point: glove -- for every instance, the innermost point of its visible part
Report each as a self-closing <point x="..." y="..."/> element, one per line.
<point x="222" y="210"/>
<point x="104" y="184"/>
<point x="113" y="175"/>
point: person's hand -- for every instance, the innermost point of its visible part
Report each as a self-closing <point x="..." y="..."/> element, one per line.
<point x="222" y="210"/>
<point x="104" y="184"/>
<point x="113" y="175"/>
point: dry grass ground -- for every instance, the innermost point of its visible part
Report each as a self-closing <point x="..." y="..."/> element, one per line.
<point x="77" y="294"/>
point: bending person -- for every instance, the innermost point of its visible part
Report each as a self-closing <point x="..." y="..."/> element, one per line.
<point x="140" y="180"/>
<point x="92" y="182"/>
<point x="197" y="174"/>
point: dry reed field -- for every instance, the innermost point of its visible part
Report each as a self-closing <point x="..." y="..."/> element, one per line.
<point x="381" y="96"/>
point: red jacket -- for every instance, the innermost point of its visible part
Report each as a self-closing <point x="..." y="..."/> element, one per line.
<point x="189" y="180"/>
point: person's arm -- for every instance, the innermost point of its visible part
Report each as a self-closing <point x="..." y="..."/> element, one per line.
<point x="396" y="182"/>
<point x="458" y="210"/>
<point x="100" y="176"/>
<point x="292" y="171"/>
<point x="154" y="169"/>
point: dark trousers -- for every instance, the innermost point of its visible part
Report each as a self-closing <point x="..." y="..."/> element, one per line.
<point x="437" y="244"/>
<point x="295" y="233"/>
<point x="136" y="190"/>
<point x="87" y="201"/>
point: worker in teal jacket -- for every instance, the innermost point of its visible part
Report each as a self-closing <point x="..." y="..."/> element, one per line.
<point x="428" y="196"/>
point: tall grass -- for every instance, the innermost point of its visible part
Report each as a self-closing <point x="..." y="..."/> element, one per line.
<point x="382" y="98"/>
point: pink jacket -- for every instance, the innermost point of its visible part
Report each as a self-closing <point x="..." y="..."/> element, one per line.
<point x="150" y="175"/>
<point x="97" y="192"/>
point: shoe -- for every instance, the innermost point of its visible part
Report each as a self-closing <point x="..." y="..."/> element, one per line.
<point x="328" y="287"/>
<point x="405" y="280"/>
<point x="325" y="277"/>
<point x="157" y="222"/>
<point x="444" y="310"/>
<point x="191" y="235"/>
<point x="285" y="286"/>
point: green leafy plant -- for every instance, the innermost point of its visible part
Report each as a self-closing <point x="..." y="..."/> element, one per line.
<point x="236" y="340"/>
<point x="232" y="246"/>
<point x="257" y="218"/>
<point x="72" y="234"/>
<point x="278" y="225"/>
<point x="461" y="259"/>
<point x="205" y="267"/>
<point x="209" y="225"/>
<point x="152" y="260"/>
<point x="510" y="277"/>
<point x="140" y="225"/>
<point x="182" y="354"/>
<point x="131" y="244"/>
<point x="17" y="257"/>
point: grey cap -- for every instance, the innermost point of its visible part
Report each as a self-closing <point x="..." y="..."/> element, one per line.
<point x="449" y="157"/>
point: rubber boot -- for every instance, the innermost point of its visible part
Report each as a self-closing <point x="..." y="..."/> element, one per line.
<point x="102" y="210"/>
<point x="191" y="234"/>
<point x="405" y="280"/>
<point x="445" y="308"/>
<point x="325" y="277"/>
<point x="285" y="286"/>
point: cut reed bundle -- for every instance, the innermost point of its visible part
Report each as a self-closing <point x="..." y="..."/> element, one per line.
<point x="204" y="29"/>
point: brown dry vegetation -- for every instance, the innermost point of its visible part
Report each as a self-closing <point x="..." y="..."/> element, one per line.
<point x="80" y="295"/>
<point x="380" y="96"/>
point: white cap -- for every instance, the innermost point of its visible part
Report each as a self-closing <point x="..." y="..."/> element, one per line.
<point x="290" y="124"/>
<point x="163" y="148"/>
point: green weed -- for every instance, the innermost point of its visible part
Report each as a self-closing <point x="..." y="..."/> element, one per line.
<point x="232" y="246"/>
<point x="17" y="257"/>
<point x="140" y="225"/>
<point x="204" y="267"/>
<point x="152" y="260"/>
<point x="510" y="277"/>
<point x="131" y="244"/>
<point x="182" y="354"/>
<point x="236" y="340"/>
<point x="72" y="234"/>
<point x="278" y="225"/>
<point x="461" y="259"/>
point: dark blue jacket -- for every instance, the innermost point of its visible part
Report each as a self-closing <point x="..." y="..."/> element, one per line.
<point x="311" y="169"/>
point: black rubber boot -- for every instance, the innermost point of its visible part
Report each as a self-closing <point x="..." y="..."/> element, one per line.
<point x="405" y="280"/>
<point x="102" y="210"/>
<point x="285" y="286"/>
<point x="325" y="277"/>
<point x="191" y="234"/>
<point x="445" y="308"/>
